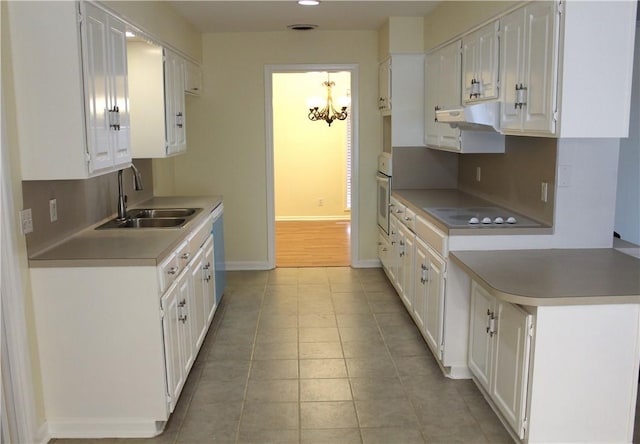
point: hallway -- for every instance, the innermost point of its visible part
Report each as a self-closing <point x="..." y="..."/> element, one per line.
<point x="321" y="355"/>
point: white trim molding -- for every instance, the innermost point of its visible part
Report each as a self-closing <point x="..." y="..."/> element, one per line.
<point x="269" y="71"/>
<point x="345" y="218"/>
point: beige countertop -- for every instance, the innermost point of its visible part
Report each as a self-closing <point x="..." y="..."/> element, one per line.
<point x="125" y="247"/>
<point x="555" y="277"/>
<point x="419" y="199"/>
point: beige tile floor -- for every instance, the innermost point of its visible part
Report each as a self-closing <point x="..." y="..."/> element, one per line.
<point x="321" y="355"/>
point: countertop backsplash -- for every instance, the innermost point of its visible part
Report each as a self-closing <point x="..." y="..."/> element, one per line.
<point x="80" y="203"/>
<point x="514" y="179"/>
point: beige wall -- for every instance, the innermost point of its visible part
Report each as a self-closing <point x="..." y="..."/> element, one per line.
<point x="161" y="21"/>
<point x="451" y="18"/>
<point x="309" y="157"/>
<point x="226" y="129"/>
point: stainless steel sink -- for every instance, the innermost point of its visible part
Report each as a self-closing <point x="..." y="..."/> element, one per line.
<point x="153" y="218"/>
<point x="164" y="222"/>
<point x="146" y="213"/>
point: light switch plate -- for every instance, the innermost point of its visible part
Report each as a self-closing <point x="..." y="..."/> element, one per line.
<point x="26" y="221"/>
<point x="544" y="191"/>
<point x="53" y="210"/>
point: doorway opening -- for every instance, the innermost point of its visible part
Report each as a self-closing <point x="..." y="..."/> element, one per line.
<point x="313" y="222"/>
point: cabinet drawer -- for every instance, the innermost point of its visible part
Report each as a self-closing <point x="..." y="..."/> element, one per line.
<point x="170" y="268"/>
<point x="409" y="218"/>
<point x="200" y="235"/>
<point x="397" y="208"/>
<point x="432" y="235"/>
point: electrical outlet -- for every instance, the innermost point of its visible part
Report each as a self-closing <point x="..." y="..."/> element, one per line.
<point x="53" y="210"/>
<point x="26" y="221"/>
<point x="544" y="191"/>
<point x="478" y="174"/>
<point x="320" y="202"/>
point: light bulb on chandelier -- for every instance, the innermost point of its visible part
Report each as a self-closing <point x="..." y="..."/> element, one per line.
<point x="328" y="113"/>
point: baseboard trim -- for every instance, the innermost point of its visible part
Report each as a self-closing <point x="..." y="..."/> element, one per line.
<point x="367" y="263"/>
<point x="42" y="435"/>
<point x="246" y="266"/>
<point x="101" y="428"/>
<point x="311" y="218"/>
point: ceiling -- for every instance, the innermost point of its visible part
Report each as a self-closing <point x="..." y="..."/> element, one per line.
<point x="274" y="15"/>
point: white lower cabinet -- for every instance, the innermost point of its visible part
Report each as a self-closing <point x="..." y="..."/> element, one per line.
<point x="405" y="249"/>
<point x="116" y="343"/>
<point x="430" y="286"/>
<point x="173" y="330"/>
<point x="499" y="351"/>
<point x="417" y="268"/>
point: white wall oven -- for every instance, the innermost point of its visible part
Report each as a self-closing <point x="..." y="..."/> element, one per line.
<point x="384" y="190"/>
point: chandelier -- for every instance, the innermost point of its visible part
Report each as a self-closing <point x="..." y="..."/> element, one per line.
<point x="328" y="113"/>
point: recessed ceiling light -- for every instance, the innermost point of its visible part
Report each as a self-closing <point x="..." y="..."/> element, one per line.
<point x="308" y="2"/>
<point x="302" y="27"/>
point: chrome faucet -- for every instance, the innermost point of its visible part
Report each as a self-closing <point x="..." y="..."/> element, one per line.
<point x="122" y="199"/>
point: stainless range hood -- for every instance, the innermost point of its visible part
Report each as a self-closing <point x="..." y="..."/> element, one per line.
<point x="476" y="117"/>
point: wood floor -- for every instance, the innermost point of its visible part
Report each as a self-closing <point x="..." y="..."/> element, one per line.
<point x="313" y="244"/>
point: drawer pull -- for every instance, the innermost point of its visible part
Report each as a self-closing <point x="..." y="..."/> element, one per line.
<point x="182" y="318"/>
<point x="182" y="303"/>
<point x="172" y="270"/>
<point x="185" y="256"/>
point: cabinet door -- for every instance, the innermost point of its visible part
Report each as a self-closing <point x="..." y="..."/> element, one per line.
<point x="528" y="59"/>
<point x="209" y="273"/>
<point x="405" y="265"/>
<point x="185" y="303"/>
<point x="384" y="85"/>
<point x="449" y="92"/>
<point x="97" y="93"/>
<point x="540" y="67"/>
<point x="174" y="109"/>
<point x="394" y="252"/>
<point x="119" y="96"/>
<point x="511" y="360"/>
<point x="470" y="65"/>
<point x="487" y="51"/>
<point x="431" y="74"/>
<point x="435" y="302"/>
<point x="420" y="287"/>
<point x="480" y="334"/>
<point x="172" y="330"/>
<point x="480" y="51"/>
<point x="199" y="310"/>
<point x="512" y="67"/>
<point x="193" y="79"/>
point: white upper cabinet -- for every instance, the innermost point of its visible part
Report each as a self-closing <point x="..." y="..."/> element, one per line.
<point x="72" y="116"/>
<point x="157" y="90"/>
<point x="549" y="86"/>
<point x="528" y="60"/>
<point x="480" y="51"/>
<point x="174" y="78"/>
<point x="384" y="86"/>
<point x="405" y="94"/>
<point x="193" y="79"/>
<point x="442" y="90"/>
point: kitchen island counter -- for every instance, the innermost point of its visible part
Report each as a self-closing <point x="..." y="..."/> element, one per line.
<point x="555" y="277"/>
<point x="126" y="246"/>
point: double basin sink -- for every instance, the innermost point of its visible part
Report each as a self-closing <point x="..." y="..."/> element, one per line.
<point x="153" y="218"/>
